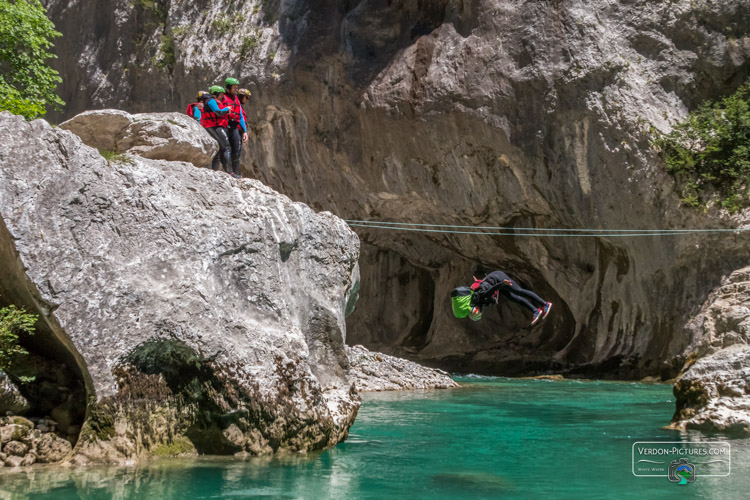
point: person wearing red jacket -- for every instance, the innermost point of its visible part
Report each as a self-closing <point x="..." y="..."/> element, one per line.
<point x="214" y="120"/>
<point x="237" y="128"/>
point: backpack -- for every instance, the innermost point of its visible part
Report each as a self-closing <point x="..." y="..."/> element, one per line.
<point x="476" y="283"/>
<point x="461" y="301"/>
<point x="475" y="286"/>
<point x="190" y="110"/>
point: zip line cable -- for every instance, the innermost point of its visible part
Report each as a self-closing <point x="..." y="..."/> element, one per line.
<point x="365" y="222"/>
<point x="550" y="232"/>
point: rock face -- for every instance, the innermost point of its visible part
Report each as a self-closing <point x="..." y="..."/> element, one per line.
<point x="203" y="313"/>
<point x="23" y="443"/>
<point x="492" y="113"/>
<point x="11" y="398"/>
<point x="373" y="371"/>
<point x="159" y="136"/>
<point x="713" y="394"/>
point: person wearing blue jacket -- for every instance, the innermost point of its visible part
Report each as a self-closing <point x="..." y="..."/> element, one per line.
<point x="237" y="128"/>
<point x="214" y="120"/>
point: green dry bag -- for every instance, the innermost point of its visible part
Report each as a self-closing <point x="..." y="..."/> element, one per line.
<point x="461" y="301"/>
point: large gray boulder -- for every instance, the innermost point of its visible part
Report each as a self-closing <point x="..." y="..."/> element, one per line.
<point x="159" y="136"/>
<point x="713" y="393"/>
<point x="204" y="313"/>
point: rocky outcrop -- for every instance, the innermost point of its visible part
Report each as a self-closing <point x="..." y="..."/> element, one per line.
<point x="25" y="443"/>
<point x="493" y="113"/>
<point x="373" y="371"/>
<point x="713" y="394"/>
<point x="159" y="136"/>
<point x="11" y="398"/>
<point x="53" y="395"/>
<point x="204" y="314"/>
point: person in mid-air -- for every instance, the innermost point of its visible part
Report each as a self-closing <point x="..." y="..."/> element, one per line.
<point x="469" y="300"/>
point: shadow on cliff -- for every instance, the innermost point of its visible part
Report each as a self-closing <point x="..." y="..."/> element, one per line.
<point x="367" y="34"/>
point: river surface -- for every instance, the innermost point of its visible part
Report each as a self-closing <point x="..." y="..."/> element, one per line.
<point x="491" y="438"/>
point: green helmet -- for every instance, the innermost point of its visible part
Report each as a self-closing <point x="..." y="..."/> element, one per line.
<point x="215" y="89"/>
<point x="231" y="81"/>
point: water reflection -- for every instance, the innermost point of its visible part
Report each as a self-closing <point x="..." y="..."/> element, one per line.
<point x="497" y="439"/>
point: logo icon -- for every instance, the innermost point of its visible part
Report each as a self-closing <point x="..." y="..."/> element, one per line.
<point x="681" y="472"/>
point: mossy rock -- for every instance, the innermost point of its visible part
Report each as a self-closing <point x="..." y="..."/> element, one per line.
<point x="180" y="445"/>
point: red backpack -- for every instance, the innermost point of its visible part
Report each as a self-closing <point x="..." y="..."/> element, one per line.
<point x="476" y="283"/>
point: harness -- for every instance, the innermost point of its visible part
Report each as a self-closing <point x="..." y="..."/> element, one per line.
<point x="235" y="107"/>
<point x="210" y="119"/>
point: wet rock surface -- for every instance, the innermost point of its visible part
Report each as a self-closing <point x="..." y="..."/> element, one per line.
<point x="503" y="114"/>
<point x="373" y="371"/>
<point x="159" y="136"/>
<point x="713" y="393"/>
<point x="193" y="305"/>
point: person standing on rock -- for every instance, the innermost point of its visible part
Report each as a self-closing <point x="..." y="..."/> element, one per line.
<point x="194" y="109"/>
<point x="244" y="96"/>
<point x="237" y="129"/>
<point x="214" y="120"/>
<point x="469" y="300"/>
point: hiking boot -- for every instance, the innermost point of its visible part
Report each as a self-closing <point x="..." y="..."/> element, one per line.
<point x="537" y="316"/>
<point x="237" y="176"/>
<point x="545" y="309"/>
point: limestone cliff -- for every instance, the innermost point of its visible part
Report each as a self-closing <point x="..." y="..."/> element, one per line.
<point x="480" y="112"/>
<point x="202" y="313"/>
<point x="713" y="394"/>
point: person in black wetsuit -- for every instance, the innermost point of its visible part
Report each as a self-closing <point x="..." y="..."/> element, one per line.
<point x="487" y="292"/>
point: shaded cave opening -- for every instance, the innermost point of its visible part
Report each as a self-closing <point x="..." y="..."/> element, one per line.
<point x="211" y="413"/>
<point x="47" y="388"/>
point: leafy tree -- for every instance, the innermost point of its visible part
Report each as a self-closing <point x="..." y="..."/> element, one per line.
<point x="710" y="151"/>
<point x="27" y="83"/>
<point x="13" y="321"/>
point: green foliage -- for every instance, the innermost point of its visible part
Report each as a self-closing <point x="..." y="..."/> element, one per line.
<point x="710" y="152"/>
<point x="182" y="30"/>
<point x="13" y="322"/>
<point x="168" y="58"/>
<point x="225" y="23"/>
<point x="114" y="157"/>
<point x="248" y="43"/>
<point x="27" y="83"/>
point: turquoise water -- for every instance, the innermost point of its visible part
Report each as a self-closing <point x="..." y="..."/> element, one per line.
<point x="491" y="438"/>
